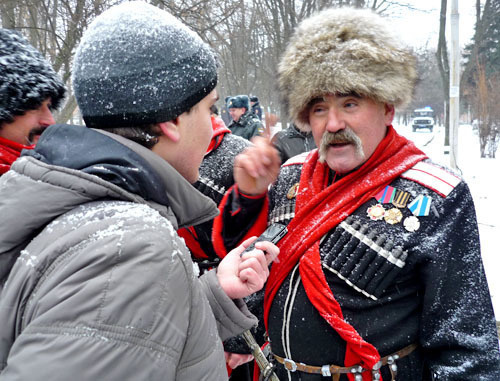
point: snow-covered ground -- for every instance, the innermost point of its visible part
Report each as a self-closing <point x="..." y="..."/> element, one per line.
<point x="483" y="178"/>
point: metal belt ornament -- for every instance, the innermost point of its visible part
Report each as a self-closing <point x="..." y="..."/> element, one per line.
<point x="419" y="207"/>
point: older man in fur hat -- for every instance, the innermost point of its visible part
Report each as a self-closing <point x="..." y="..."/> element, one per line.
<point x="29" y="91"/>
<point x="95" y="283"/>
<point x="380" y="275"/>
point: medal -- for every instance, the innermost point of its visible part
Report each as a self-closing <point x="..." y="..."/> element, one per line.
<point x="400" y="199"/>
<point x="393" y="216"/>
<point x="411" y="223"/>
<point x="386" y="195"/>
<point x="420" y="206"/>
<point x="292" y="192"/>
<point x="376" y="212"/>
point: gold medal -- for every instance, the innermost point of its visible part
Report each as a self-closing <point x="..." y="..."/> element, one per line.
<point x="292" y="192"/>
<point x="393" y="216"/>
<point x="376" y="212"/>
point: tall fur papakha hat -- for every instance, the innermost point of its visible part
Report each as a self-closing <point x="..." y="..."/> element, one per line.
<point x="26" y="78"/>
<point x="137" y="64"/>
<point x="341" y="51"/>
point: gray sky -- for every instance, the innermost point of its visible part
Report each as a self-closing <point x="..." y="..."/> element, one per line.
<point x="421" y="28"/>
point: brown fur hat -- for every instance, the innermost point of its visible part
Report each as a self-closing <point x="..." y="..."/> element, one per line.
<point x="340" y="51"/>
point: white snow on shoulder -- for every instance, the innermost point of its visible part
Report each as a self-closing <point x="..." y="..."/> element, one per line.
<point x="28" y="259"/>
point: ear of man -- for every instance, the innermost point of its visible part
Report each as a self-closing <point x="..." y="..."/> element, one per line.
<point x="389" y="113"/>
<point x="171" y="129"/>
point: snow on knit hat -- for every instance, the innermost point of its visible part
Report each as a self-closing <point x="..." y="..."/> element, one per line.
<point x="239" y="101"/>
<point x="342" y="51"/>
<point x="26" y="77"/>
<point x="137" y="64"/>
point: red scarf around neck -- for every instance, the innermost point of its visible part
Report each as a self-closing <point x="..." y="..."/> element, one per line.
<point x="319" y="208"/>
<point x="9" y="152"/>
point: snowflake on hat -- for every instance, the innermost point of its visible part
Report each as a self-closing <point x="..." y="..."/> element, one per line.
<point x="26" y="77"/>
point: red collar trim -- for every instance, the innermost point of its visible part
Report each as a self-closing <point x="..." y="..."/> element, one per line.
<point x="219" y="130"/>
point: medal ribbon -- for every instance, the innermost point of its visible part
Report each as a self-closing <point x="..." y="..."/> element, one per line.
<point x="319" y="209"/>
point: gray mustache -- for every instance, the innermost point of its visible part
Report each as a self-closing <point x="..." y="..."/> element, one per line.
<point x="343" y="136"/>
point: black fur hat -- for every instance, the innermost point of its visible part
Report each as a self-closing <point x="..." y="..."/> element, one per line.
<point x="137" y="64"/>
<point x="26" y="78"/>
<point x="239" y="101"/>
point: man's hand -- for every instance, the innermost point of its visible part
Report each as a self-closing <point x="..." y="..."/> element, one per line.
<point x="242" y="276"/>
<point x="236" y="359"/>
<point x="256" y="167"/>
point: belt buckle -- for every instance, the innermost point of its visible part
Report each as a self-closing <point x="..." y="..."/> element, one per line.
<point x="325" y="371"/>
<point x="290" y="365"/>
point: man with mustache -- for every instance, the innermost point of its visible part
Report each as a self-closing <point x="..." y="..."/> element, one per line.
<point x="380" y="275"/>
<point x="29" y="91"/>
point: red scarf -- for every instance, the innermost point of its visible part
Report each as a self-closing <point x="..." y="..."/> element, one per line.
<point x="319" y="208"/>
<point x="9" y="152"/>
<point x="219" y="130"/>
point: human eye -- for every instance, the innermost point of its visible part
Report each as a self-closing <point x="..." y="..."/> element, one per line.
<point x="350" y="103"/>
<point x="318" y="108"/>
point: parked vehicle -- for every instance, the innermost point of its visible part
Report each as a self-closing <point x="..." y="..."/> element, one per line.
<point x="423" y="118"/>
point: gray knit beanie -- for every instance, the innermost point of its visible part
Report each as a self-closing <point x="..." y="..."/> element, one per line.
<point x="137" y="65"/>
<point x="26" y="78"/>
<point x="341" y="51"/>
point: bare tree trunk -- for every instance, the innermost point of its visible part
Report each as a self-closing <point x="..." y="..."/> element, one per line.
<point x="7" y="13"/>
<point x="444" y="68"/>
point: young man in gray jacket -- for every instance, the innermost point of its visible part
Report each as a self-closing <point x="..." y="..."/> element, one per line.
<point x="95" y="284"/>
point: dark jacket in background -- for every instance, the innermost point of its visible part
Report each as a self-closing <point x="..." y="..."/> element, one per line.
<point x="247" y="126"/>
<point x="292" y="141"/>
<point x="257" y="110"/>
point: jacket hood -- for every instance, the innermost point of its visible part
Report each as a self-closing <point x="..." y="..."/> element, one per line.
<point x="72" y="165"/>
<point x="89" y="151"/>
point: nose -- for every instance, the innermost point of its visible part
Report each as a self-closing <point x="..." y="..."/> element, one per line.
<point x="46" y="117"/>
<point x="335" y="121"/>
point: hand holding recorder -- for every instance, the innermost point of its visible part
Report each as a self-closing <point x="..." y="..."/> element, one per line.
<point x="245" y="269"/>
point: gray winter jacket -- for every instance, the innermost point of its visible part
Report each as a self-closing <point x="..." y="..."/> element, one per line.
<point x="96" y="283"/>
